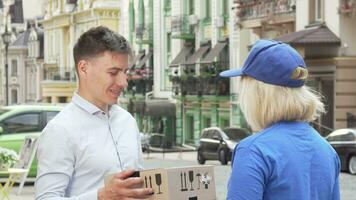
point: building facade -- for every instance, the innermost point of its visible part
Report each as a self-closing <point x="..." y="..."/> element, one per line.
<point x="322" y="33"/>
<point x="180" y="47"/>
<point x="64" y="21"/>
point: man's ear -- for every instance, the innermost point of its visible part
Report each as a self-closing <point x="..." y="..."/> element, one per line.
<point x="82" y="68"/>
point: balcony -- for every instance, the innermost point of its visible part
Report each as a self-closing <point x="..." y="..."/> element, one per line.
<point x="252" y="12"/>
<point x="139" y="86"/>
<point x="144" y="34"/>
<point x="181" y="27"/>
<point x="54" y="74"/>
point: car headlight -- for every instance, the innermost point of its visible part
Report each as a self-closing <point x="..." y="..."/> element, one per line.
<point x="230" y="144"/>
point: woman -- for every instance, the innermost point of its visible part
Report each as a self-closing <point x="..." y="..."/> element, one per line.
<point x="286" y="158"/>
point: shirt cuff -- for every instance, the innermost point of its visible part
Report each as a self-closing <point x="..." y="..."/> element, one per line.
<point x="91" y="195"/>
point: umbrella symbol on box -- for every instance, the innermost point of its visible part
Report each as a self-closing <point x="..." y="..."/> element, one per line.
<point x="206" y="179"/>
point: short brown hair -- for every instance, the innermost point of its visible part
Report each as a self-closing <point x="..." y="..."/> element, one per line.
<point x="96" y="41"/>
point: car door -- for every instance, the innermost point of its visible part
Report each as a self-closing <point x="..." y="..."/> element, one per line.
<point x="205" y="141"/>
<point x="215" y="144"/>
<point x="17" y="127"/>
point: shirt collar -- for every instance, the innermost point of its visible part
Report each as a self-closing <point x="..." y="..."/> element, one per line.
<point x="85" y="104"/>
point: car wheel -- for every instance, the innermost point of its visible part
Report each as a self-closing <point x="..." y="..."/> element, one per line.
<point x="222" y="157"/>
<point x="352" y="165"/>
<point x="200" y="158"/>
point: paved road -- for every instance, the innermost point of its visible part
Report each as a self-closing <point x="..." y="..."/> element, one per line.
<point x="347" y="182"/>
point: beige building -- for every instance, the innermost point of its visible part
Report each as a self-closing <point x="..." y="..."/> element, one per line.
<point x="323" y="32"/>
<point x="64" y="22"/>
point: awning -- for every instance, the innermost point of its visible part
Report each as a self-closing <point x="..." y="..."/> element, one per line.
<point x="214" y="52"/>
<point x="144" y="60"/>
<point x="181" y="57"/>
<point x="197" y="55"/>
<point x="160" y="108"/>
<point x="137" y="58"/>
<point x="317" y="35"/>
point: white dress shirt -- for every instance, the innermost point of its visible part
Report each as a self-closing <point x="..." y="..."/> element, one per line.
<point x="80" y="146"/>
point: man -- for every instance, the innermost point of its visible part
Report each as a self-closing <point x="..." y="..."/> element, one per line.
<point x="92" y="138"/>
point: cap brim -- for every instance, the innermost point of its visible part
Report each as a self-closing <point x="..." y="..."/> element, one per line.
<point x="231" y="73"/>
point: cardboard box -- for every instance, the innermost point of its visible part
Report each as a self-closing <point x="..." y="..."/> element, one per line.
<point x="183" y="183"/>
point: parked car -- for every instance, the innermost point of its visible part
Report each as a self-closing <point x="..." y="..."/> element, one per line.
<point x="344" y="143"/>
<point x="218" y="144"/>
<point x="17" y="122"/>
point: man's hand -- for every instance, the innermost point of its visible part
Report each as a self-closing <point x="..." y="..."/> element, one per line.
<point x="121" y="187"/>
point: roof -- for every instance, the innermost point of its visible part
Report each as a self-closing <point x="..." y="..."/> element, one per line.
<point x="317" y="35"/>
<point x="22" y="38"/>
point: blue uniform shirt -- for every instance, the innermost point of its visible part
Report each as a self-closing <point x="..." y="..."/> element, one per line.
<point x="286" y="161"/>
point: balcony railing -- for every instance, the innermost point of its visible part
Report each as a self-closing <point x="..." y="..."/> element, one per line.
<point x="55" y="75"/>
<point x="181" y="27"/>
<point x="254" y="9"/>
<point x="144" y="34"/>
<point x="200" y="85"/>
<point x="139" y="86"/>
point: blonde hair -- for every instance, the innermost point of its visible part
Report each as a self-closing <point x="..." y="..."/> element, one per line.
<point x="264" y="104"/>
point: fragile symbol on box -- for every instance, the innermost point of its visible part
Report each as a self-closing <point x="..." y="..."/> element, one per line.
<point x="183" y="183"/>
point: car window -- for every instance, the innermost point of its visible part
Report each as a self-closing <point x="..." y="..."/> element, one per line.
<point x="216" y="134"/>
<point x="236" y="133"/>
<point x="349" y="136"/>
<point x="206" y="134"/>
<point x="22" y="123"/>
<point x="50" y="115"/>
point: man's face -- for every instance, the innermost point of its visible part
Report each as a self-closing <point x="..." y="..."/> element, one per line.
<point x="105" y="78"/>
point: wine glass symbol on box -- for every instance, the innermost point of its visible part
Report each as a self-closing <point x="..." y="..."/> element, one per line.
<point x="183" y="183"/>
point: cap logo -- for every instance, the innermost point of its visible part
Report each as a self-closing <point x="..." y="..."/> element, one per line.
<point x="299" y="73"/>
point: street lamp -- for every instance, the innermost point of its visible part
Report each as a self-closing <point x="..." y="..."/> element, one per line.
<point x="6" y="38"/>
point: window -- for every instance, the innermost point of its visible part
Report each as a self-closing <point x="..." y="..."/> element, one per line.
<point x="189" y="7"/>
<point x="50" y="115"/>
<point x="27" y="122"/>
<point x="347" y="136"/>
<point x="208" y="10"/>
<point x="189" y="128"/>
<point x="13" y="96"/>
<point x="236" y="133"/>
<point x="167" y="5"/>
<point x="225" y="8"/>
<point x="13" y="67"/>
<point x="62" y="99"/>
<point x="169" y="43"/>
<point x="216" y="135"/>
<point x="318" y="10"/>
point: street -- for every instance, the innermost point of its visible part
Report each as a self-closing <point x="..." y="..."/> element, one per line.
<point x="155" y="160"/>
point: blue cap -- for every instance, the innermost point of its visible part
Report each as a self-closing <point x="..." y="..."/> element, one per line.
<point x="271" y="62"/>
